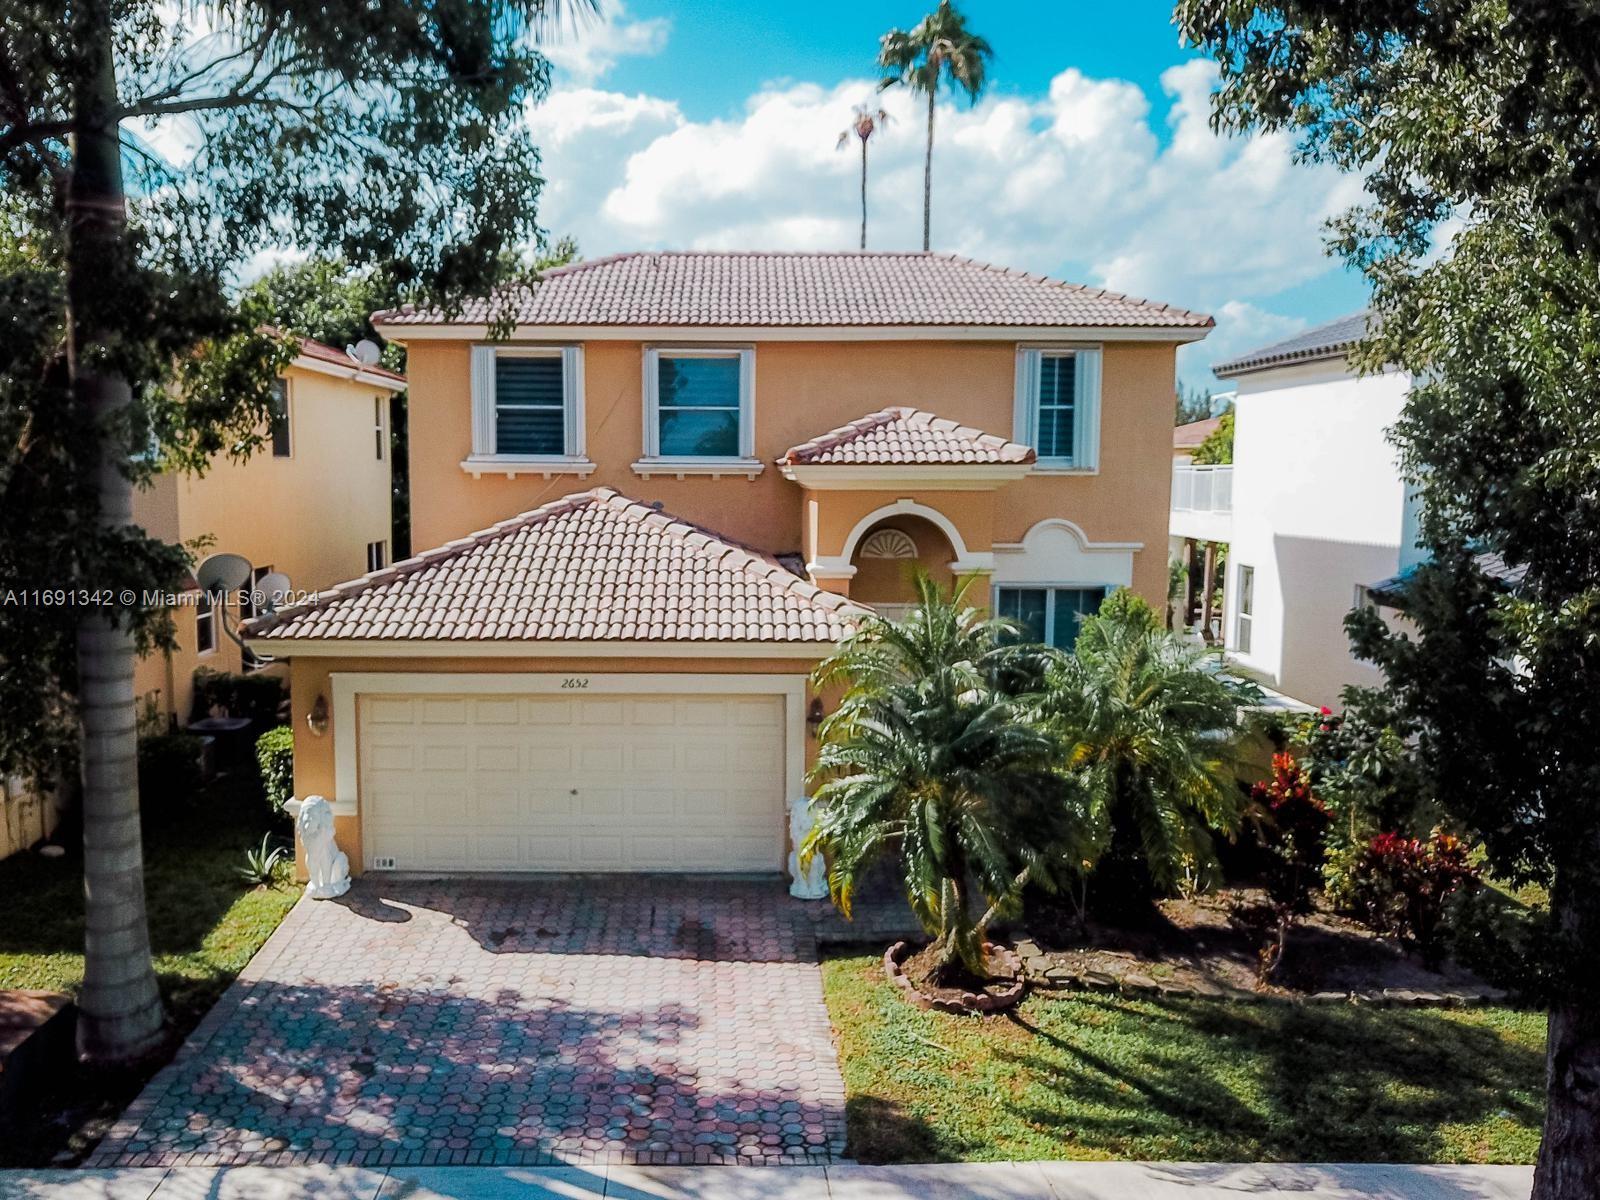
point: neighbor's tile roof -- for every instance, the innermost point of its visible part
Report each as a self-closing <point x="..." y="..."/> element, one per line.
<point x="1189" y="437"/>
<point x="905" y="436"/>
<point x="315" y="349"/>
<point x="1324" y="341"/>
<point x="792" y="289"/>
<point x="591" y="566"/>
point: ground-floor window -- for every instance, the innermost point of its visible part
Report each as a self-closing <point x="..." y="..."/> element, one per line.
<point x="1247" y="605"/>
<point x="205" y="624"/>
<point x="1050" y="614"/>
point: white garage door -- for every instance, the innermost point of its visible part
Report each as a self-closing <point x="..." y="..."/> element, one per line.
<point x="572" y="783"/>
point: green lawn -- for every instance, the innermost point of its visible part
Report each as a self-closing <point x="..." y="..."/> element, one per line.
<point x="1096" y="1077"/>
<point x="205" y="923"/>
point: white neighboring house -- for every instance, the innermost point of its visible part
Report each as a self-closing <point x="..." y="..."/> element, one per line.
<point x="1319" y="508"/>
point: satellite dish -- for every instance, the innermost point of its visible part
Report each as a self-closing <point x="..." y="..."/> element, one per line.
<point x="223" y="573"/>
<point x="272" y="588"/>
<point x="365" y="352"/>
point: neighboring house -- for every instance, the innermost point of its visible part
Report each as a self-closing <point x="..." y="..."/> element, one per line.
<point x="668" y="495"/>
<point x="1186" y="439"/>
<point x="312" y="502"/>
<point x="1319" y="510"/>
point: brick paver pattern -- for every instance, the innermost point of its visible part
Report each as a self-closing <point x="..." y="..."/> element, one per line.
<point x="557" y="1020"/>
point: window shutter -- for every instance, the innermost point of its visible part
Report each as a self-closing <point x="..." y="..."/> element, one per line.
<point x="572" y="399"/>
<point x="747" y="403"/>
<point x="483" y="384"/>
<point x="1087" y="441"/>
<point x="652" y="390"/>
<point x="1024" y="428"/>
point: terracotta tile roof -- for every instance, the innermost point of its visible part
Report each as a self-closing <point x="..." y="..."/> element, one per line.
<point x="905" y="436"/>
<point x="1189" y="437"/>
<point x="321" y="350"/>
<point x="791" y="289"/>
<point x="594" y="565"/>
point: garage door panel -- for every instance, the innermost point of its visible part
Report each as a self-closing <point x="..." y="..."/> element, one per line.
<point x="487" y="783"/>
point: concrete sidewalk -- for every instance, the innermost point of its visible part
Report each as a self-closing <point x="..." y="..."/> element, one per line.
<point x="962" y="1181"/>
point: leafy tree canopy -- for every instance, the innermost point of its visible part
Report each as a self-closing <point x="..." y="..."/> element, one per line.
<point x="1217" y="446"/>
<point x="384" y="134"/>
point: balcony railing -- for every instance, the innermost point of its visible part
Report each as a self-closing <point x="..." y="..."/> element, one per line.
<point x="1202" y="489"/>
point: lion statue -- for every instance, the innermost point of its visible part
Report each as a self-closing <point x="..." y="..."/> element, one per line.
<point x="327" y="865"/>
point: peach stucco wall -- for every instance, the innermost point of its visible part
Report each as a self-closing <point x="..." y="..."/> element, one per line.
<point x="803" y="389"/>
<point x="309" y="678"/>
<point x="310" y="515"/>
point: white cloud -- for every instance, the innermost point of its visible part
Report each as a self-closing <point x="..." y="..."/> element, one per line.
<point x="586" y="50"/>
<point x="1076" y="183"/>
<point x="1241" y="326"/>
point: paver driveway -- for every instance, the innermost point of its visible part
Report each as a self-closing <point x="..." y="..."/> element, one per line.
<point x="456" y="1021"/>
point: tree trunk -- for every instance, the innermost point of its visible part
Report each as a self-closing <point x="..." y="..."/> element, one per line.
<point x="863" y="193"/>
<point x="1569" y="1154"/>
<point x="927" y="179"/>
<point x="119" y="1009"/>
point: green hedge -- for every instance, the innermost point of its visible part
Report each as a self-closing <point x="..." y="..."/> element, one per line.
<point x="255" y="695"/>
<point x="275" y="756"/>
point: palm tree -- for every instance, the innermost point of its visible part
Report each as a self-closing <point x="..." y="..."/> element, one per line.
<point x="867" y="122"/>
<point x="1149" y="726"/>
<point x="938" y="48"/>
<point x="926" y="760"/>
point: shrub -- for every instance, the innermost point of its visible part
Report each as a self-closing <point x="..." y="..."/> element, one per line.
<point x="260" y="865"/>
<point x="1295" y="835"/>
<point x="1401" y="886"/>
<point x="256" y="695"/>
<point x="275" y="757"/>
<point x="169" y="768"/>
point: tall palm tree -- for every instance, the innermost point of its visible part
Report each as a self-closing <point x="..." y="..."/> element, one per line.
<point x="866" y="123"/>
<point x="1149" y="726"/>
<point x="926" y="761"/>
<point x="939" y="48"/>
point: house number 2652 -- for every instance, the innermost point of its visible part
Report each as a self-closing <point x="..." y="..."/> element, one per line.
<point x="577" y="681"/>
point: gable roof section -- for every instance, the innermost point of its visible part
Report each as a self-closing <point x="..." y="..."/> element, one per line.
<point x="740" y="289"/>
<point x="1189" y="437"/>
<point x="592" y="566"/>
<point x="1332" y="340"/>
<point x="906" y="437"/>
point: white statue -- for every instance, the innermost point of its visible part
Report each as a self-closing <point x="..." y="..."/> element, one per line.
<point x="327" y="865"/>
<point x="812" y="883"/>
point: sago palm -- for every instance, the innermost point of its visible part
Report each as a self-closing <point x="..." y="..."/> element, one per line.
<point x="1149" y="727"/>
<point x="925" y="761"/>
<point x="939" y="48"/>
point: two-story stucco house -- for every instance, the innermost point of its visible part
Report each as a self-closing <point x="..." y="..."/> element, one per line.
<point x="666" y="496"/>
<point x="1319" y="508"/>
<point x="313" y="503"/>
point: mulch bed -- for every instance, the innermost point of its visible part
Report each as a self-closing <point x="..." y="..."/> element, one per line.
<point x="961" y="992"/>
<point x="1196" y="948"/>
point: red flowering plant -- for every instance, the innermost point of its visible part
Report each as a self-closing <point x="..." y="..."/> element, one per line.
<point x="1294" y="833"/>
<point x="1402" y="885"/>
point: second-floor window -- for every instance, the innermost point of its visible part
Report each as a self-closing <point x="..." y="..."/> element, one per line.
<point x="278" y="419"/>
<point x="1058" y="406"/>
<point x="527" y="403"/>
<point x="205" y="624"/>
<point x="699" y="404"/>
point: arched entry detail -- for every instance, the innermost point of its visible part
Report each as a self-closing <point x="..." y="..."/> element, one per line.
<point x="906" y="508"/>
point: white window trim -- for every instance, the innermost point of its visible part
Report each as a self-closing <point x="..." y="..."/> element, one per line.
<point x="745" y="462"/>
<point x="288" y="420"/>
<point x="1244" y="617"/>
<point x="1087" y="392"/>
<point x="1049" y="590"/>
<point x="211" y="619"/>
<point x="485" y="458"/>
<point x="383" y="550"/>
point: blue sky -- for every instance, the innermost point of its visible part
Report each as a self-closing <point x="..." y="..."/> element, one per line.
<point x="714" y="125"/>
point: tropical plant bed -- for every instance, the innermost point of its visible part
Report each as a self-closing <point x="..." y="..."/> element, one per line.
<point x="1105" y="1076"/>
<point x="918" y="976"/>
<point x="206" y="923"/>
<point x="1209" y="946"/>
